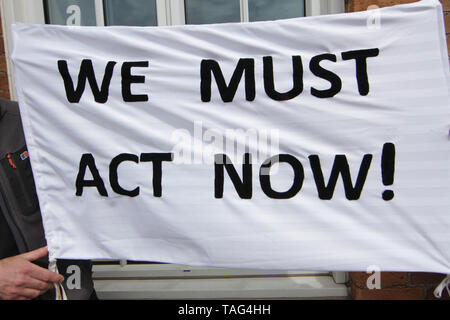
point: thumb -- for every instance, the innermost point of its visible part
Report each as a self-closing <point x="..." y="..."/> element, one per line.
<point x="35" y="254"/>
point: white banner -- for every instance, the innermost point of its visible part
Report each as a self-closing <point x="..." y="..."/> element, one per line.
<point x="318" y="143"/>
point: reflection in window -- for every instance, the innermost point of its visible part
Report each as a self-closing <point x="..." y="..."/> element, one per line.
<point x="130" y="12"/>
<point x="212" y="11"/>
<point x="70" y="12"/>
<point x="260" y="10"/>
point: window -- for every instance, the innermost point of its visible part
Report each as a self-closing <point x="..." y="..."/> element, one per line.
<point x="70" y="12"/>
<point x="133" y="280"/>
<point x="130" y="12"/>
<point x="259" y="10"/>
<point x="171" y="12"/>
<point x="218" y="11"/>
<point x="213" y="11"/>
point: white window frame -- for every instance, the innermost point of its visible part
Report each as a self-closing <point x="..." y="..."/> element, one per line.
<point x="162" y="277"/>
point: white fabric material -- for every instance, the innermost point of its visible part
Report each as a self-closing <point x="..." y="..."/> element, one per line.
<point x="60" y="293"/>
<point x="407" y="105"/>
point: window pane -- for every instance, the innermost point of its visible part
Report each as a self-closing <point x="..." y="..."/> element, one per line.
<point x="130" y="12"/>
<point x="70" y="12"/>
<point x="259" y="10"/>
<point x="212" y="11"/>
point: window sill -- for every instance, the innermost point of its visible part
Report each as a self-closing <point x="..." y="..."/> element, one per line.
<point x="182" y="282"/>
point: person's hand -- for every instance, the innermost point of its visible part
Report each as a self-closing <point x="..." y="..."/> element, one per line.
<point x="20" y="279"/>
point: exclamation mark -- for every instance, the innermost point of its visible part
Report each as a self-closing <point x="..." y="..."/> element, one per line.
<point x="388" y="169"/>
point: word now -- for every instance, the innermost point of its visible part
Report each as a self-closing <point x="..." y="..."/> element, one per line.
<point x="243" y="184"/>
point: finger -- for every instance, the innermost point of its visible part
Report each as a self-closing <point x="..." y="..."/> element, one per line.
<point x="40" y="285"/>
<point x="27" y="294"/>
<point x="35" y="254"/>
<point x="44" y="274"/>
<point x="22" y="294"/>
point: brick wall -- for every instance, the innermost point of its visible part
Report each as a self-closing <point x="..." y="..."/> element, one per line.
<point x="396" y="285"/>
<point x="4" y="86"/>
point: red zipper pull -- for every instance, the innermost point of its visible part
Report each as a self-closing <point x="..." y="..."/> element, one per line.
<point x="11" y="162"/>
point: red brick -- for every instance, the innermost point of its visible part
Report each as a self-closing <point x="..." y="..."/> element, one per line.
<point x="358" y="279"/>
<point x="387" y="294"/>
<point x="3" y="67"/>
<point x="4" y="85"/>
<point x="388" y="279"/>
<point x="447" y="23"/>
<point x="2" y="45"/>
<point x="421" y="278"/>
<point x="361" y="5"/>
<point x="430" y="295"/>
<point x="446" y="5"/>
<point x="5" y="95"/>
